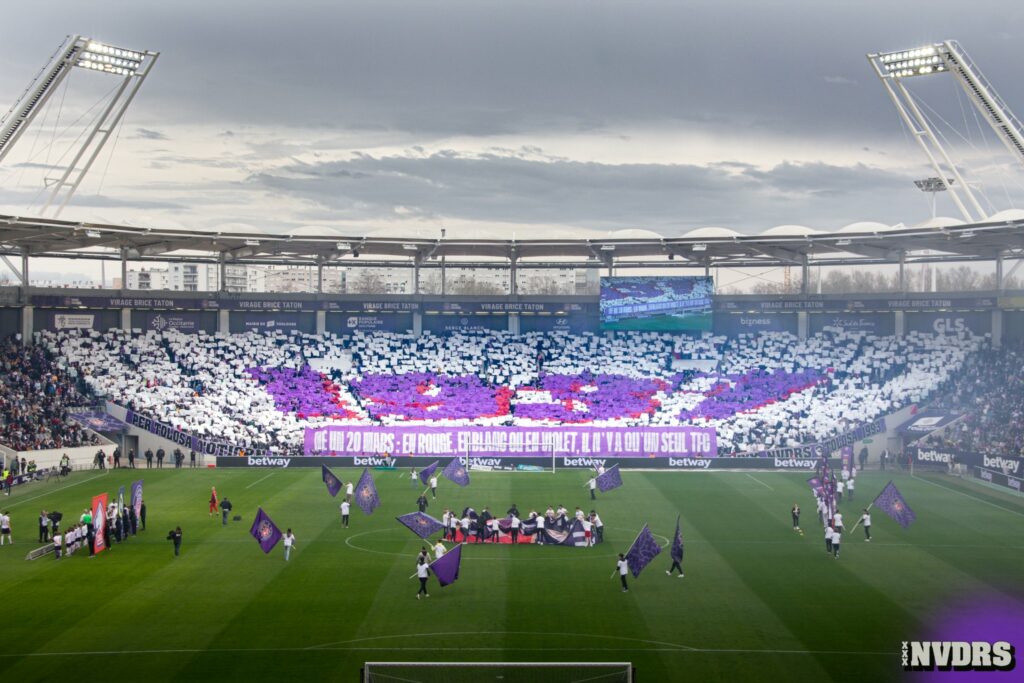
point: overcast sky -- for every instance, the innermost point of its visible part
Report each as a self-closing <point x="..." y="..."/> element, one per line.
<point x="511" y="117"/>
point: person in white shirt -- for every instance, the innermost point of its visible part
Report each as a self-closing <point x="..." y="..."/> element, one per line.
<point x="453" y="525"/>
<point x="837" y="521"/>
<point x="623" y="566"/>
<point x="588" y="532"/>
<point x="865" y="519"/>
<point x="839" y="492"/>
<point x="592" y="483"/>
<point x="467" y="523"/>
<point x="445" y="518"/>
<point x="349" y="490"/>
<point x="345" y="509"/>
<point x="5" y="528"/>
<point x="828" y="539"/>
<point x="579" y="514"/>
<point x="495" y="530"/>
<point x="837" y="537"/>
<point x="289" y="541"/>
<point x="57" y="541"/>
<point x="439" y="550"/>
<point x="422" y="572"/>
<point x="433" y="486"/>
<point x="598" y="527"/>
<point x="514" y="524"/>
<point x="849" y="489"/>
<point x="541" y="522"/>
<point x="413" y="477"/>
<point x="600" y="470"/>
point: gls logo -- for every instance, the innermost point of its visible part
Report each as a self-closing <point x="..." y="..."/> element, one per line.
<point x="975" y="655"/>
<point x="268" y="462"/>
<point x="950" y="326"/>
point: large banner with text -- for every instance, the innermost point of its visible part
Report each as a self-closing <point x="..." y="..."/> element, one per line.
<point x="621" y="442"/>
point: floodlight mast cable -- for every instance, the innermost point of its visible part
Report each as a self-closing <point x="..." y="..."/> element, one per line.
<point x="947" y="56"/>
<point x="132" y="66"/>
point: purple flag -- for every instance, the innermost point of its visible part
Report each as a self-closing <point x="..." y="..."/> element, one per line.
<point x="137" y="498"/>
<point x="421" y="524"/>
<point x="446" y="569"/>
<point x="456" y="472"/>
<point x="333" y="483"/>
<point x="428" y="472"/>
<point x="611" y="479"/>
<point x="642" y="552"/>
<point x="265" y="531"/>
<point x="891" y="502"/>
<point x="366" y="493"/>
<point x="677" y="544"/>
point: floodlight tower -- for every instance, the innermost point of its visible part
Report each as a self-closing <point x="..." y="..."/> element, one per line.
<point x="938" y="58"/>
<point x="131" y="66"/>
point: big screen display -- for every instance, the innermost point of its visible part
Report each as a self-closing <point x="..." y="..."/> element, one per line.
<point x="656" y="303"/>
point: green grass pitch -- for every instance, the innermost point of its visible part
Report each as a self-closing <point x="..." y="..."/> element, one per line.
<point x="759" y="602"/>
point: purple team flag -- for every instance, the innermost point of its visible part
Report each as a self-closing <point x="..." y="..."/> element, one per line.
<point x="611" y="479"/>
<point x="137" y="498"/>
<point x="677" y="544"/>
<point x="446" y="569"/>
<point x="421" y="524"/>
<point x="366" y="493"/>
<point x="265" y="531"/>
<point x="333" y="483"/>
<point x="428" y="472"/>
<point x="891" y="502"/>
<point x="642" y="552"/>
<point x="456" y="472"/>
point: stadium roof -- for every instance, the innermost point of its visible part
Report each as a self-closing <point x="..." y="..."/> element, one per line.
<point x="860" y="243"/>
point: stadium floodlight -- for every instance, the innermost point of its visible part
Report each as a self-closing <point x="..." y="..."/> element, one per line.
<point x="843" y="243"/>
<point x="607" y="247"/>
<point x="966" y="234"/>
<point x="700" y="247"/>
<point x="410" y="247"/>
<point x="94" y="234"/>
<point x="893" y="67"/>
<point x="252" y="243"/>
<point x="934" y="184"/>
<point x="342" y="246"/>
<point x="131" y="66"/>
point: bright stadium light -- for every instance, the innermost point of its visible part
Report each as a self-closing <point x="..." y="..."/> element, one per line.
<point x="700" y="247"/>
<point x="252" y="243"/>
<point x="917" y="62"/>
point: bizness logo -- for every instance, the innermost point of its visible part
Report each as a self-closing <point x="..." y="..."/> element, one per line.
<point x="975" y="655"/>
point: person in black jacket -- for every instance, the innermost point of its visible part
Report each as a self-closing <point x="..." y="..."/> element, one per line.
<point x="175" y="536"/>
<point x="179" y="458"/>
<point x="514" y="511"/>
<point x="142" y="514"/>
<point x="149" y="457"/>
<point x="117" y="457"/>
<point x="483" y="524"/>
<point x="225" y="508"/>
<point x="421" y="502"/>
<point x="131" y="458"/>
<point x="160" y="458"/>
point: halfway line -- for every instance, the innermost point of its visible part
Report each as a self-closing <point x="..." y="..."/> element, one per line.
<point x="962" y="493"/>
<point x="759" y="481"/>
<point x="259" y="480"/>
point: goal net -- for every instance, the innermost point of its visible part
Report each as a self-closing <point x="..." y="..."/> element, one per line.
<point x="501" y="672"/>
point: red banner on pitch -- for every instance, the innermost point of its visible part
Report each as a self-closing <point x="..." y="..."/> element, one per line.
<point x="99" y="522"/>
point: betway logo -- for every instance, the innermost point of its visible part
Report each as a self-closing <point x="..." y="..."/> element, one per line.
<point x="489" y="462"/>
<point x="977" y="655"/>
<point x="933" y="456"/>
<point x="699" y="463"/>
<point x="1002" y="464"/>
<point x="794" y="464"/>
<point x="583" y="462"/>
<point x="369" y="461"/>
<point x="268" y="462"/>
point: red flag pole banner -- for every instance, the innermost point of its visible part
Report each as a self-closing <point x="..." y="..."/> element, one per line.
<point x="99" y="523"/>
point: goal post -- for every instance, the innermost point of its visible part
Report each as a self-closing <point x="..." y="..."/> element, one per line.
<point x="545" y="461"/>
<point x="506" y="672"/>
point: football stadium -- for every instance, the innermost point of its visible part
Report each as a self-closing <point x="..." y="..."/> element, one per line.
<point x="356" y="348"/>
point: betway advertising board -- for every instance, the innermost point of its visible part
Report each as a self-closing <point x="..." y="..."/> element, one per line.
<point x="511" y="463"/>
<point x="622" y="442"/>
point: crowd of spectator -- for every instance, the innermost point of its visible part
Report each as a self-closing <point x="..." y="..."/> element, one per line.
<point x="34" y="400"/>
<point x="990" y="395"/>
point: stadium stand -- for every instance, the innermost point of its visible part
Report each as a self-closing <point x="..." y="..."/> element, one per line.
<point x="759" y="391"/>
<point x="34" y="401"/>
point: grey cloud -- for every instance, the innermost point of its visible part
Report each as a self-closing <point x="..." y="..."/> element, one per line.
<point x="149" y="134"/>
<point x="663" y="197"/>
